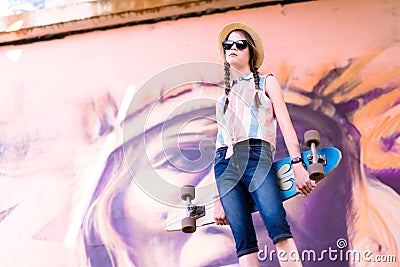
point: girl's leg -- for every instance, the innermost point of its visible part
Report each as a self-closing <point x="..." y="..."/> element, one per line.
<point x="240" y="221"/>
<point x="292" y="258"/>
<point x="233" y="198"/>
<point x="264" y="189"/>
<point x="249" y="260"/>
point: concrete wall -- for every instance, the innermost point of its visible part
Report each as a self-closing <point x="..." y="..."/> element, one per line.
<point x="79" y="187"/>
<point x="27" y="21"/>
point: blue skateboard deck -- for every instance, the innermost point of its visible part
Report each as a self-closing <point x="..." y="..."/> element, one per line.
<point x="285" y="175"/>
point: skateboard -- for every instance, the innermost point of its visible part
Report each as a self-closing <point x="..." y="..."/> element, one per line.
<point x="319" y="163"/>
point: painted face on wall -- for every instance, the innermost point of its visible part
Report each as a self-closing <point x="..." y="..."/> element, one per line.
<point x="177" y="148"/>
<point x="169" y="143"/>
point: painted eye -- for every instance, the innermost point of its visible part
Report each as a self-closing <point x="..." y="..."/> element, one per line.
<point x="191" y="157"/>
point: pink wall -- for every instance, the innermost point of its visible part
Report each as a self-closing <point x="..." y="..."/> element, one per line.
<point x="338" y="64"/>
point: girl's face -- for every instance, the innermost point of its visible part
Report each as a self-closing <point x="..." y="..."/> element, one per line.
<point x="238" y="59"/>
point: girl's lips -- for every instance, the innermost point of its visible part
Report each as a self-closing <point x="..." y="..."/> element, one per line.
<point x="232" y="55"/>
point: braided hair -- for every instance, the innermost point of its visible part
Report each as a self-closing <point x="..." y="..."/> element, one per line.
<point x="227" y="79"/>
<point x="256" y="76"/>
<point x="253" y="69"/>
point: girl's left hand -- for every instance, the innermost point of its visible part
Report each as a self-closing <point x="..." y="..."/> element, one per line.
<point x="219" y="213"/>
<point x="303" y="182"/>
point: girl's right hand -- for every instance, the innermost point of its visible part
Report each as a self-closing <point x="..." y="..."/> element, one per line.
<point x="219" y="213"/>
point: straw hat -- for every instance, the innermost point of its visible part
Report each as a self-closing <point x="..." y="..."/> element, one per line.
<point x="227" y="29"/>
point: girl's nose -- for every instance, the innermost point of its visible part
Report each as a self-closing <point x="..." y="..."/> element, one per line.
<point x="233" y="47"/>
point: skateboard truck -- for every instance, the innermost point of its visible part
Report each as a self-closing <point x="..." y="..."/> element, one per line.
<point x="193" y="211"/>
<point x="317" y="162"/>
<point x="321" y="159"/>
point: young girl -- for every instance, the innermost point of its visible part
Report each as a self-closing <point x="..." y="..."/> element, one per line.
<point x="247" y="114"/>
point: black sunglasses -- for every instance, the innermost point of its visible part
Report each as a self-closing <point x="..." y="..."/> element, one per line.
<point x="240" y="44"/>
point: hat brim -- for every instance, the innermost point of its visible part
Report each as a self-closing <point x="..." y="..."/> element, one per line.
<point x="227" y="29"/>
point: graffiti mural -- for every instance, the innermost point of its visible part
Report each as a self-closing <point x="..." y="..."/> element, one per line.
<point x="93" y="152"/>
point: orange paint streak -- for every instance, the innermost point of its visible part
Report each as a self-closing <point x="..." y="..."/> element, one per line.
<point x="379" y="119"/>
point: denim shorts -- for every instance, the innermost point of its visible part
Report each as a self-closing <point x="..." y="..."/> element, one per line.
<point x="245" y="179"/>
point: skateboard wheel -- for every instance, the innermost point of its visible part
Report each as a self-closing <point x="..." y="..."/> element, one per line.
<point x="187" y="191"/>
<point x="312" y="136"/>
<point x="188" y="225"/>
<point x="316" y="171"/>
